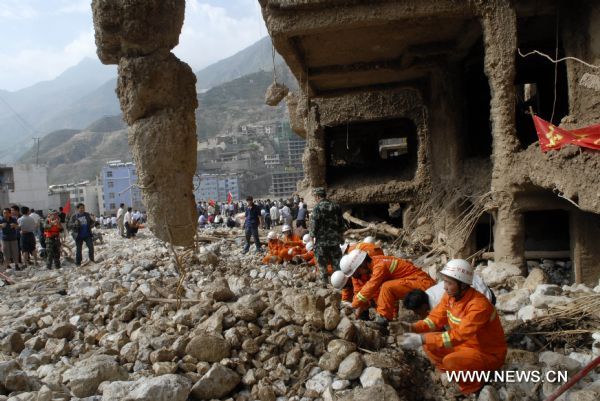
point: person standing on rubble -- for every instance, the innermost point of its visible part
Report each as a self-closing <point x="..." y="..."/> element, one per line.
<point x="81" y="224"/>
<point x="251" y="224"/>
<point x="52" y="229"/>
<point x="326" y="230"/>
<point x="463" y="332"/>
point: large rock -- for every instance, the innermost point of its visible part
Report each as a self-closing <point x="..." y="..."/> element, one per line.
<point x="496" y="273"/>
<point x="208" y="348"/>
<point x="380" y="392"/>
<point x="351" y="367"/>
<point x="512" y="301"/>
<point x="345" y="329"/>
<point x="556" y="361"/>
<point x="331" y="317"/>
<point x="12" y="343"/>
<point x="529" y="312"/>
<point x="535" y="277"/>
<point x="167" y="387"/>
<point x="216" y="383"/>
<point x="83" y="379"/>
<point x="371" y="376"/>
<point x="319" y="382"/>
<point x="341" y="348"/>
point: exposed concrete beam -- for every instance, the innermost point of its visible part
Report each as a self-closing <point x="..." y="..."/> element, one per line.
<point x="296" y="21"/>
<point x="291" y="50"/>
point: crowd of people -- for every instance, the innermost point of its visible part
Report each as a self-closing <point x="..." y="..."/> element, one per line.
<point x="23" y="229"/>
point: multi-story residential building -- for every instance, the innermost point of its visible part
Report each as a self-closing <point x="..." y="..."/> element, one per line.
<point x="216" y="187"/>
<point x="119" y="185"/>
<point x="285" y="181"/>
<point x="24" y="184"/>
<point x="272" y="161"/>
<point x="85" y="192"/>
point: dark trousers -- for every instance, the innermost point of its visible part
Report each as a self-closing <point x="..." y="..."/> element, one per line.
<point x="252" y="232"/>
<point x="79" y="245"/>
<point x="53" y="252"/>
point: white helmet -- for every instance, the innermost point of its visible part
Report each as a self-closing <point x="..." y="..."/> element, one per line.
<point x="338" y="280"/>
<point x="309" y="246"/>
<point x="272" y="235"/>
<point x="306" y="238"/>
<point x="286" y="228"/>
<point x="343" y="247"/>
<point x="460" y="270"/>
<point x="351" y="261"/>
<point x="369" y="240"/>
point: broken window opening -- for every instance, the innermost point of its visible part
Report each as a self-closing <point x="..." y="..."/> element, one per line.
<point x="484" y="233"/>
<point x="535" y="76"/>
<point x="547" y="244"/>
<point x="380" y="150"/>
<point x="476" y="116"/>
<point x="390" y="213"/>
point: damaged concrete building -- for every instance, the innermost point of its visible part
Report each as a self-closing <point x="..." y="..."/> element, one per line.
<point x="421" y="106"/>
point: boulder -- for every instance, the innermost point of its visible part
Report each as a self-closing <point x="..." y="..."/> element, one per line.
<point x="216" y="383"/>
<point x="12" y="343"/>
<point x="319" y="382"/>
<point x="372" y="393"/>
<point x="208" y="348"/>
<point x="371" y="376"/>
<point x="496" y="273"/>
<point x="345" y="329"/>
<point x="83" y="379"/>
<point x="331" y="317"/>
<point x="351" y="367"/>
<point x="535" y="277"/>
<point x="167" y="387"/>
<point x="529" y="312"/>
<point x="512" y="301"/>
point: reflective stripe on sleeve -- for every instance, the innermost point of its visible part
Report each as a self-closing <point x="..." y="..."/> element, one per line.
<point x="446" y="340"/>
<point x="361" y="297"/>
<point x="393" y="266"/>
<point x="429" y="323"/>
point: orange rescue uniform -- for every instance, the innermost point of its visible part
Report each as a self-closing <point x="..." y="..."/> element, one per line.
<point x="391" y="279"/>
<point x="357" y="283"/>
<point x="275" y="246"/>
<point x="473" y="339"/>
<point x="292" y="242"/>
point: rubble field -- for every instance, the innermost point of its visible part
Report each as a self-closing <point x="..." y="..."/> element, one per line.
<point x="114" y="330"/>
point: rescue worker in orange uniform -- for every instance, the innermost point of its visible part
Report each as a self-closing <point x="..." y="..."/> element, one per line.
<point x="390" y="279"/>
<point x="474" y="340"/>
<point x="275" y="245"/>
<point x="308" y="256"/>
<point x="372" y="249"/>
<point x="292" y="244"/>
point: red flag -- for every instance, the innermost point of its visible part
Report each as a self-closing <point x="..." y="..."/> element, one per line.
<point x="67" y="207"/>
<point x="552" y="137"/>
<point x="229" y="198"/>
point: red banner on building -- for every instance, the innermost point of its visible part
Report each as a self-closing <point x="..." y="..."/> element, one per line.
<point x="67" y="208"/>
<point x="229" y="198"/>
<point x="552" y="138"/>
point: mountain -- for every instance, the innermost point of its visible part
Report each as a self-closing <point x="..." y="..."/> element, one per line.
<point x="225" y="107"/>
<point x="57" y="104"/>
<point x="257" y="57"/>
<point x="77" y="155"/>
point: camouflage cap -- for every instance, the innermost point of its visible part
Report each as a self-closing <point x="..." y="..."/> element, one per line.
<point x="319" y="191"/>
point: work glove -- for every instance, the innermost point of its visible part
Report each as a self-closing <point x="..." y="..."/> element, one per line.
<point x="411" y="341"/>
<point x="290" y="251"/>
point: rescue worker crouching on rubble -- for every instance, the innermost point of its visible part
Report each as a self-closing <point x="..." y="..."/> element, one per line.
<point x="292" y="244"/>
<point x="473" y="339"/>
<point x="390" y="279"/>
<point x="274" y="245"/>
<point x="372" y="249"/>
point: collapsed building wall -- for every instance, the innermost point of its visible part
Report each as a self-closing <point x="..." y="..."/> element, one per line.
<point x="452" y="70"/>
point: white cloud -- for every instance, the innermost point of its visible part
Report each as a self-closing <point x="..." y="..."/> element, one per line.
<point x="16" y="10"/>
<point x="39" y="64"/>
<point x="75" y="7"/>
<point x="210" y="33"/>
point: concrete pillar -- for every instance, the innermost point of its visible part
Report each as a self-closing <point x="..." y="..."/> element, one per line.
<point x="314" y="158"/>
<point x="585" y="253"/>
<point x="157" y="93"/>
<point x="509" y="237"/>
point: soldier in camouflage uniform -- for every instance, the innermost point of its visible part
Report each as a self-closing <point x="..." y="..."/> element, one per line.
<point x="326" y="229"/>
<point x="52" y="230"/>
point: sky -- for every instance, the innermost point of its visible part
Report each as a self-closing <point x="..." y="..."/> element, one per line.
<point x="39" y="39"/>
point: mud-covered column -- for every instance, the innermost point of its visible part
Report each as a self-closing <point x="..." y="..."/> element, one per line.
<point x="509" y="236"/>
<point x="499" y="22"/>
<point x="158" y="98"/>
<point x="313" y="159"/>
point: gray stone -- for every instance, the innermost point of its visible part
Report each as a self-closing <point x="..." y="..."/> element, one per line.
<point x="496" y="273"/>
<point x="330" y="361"/>
<point x="12" y="343"/>
<point x="83" y="379"/>
<point x="61" y="330"/>
<point x="167" y="387"/>
<point x="208" y="348"/>
<point x="378" y="392"/>
<point x="345" y="329"/>
<point x="320" y="382"/>
<point x="371" y="376"/>
<point x="535" y="277"/>
<point x="339" y="385"/>
<point x="216" y="383"/>
<point x="351" y="367"/>
<point x="488" y="393"/>
<point x="331" y="317"/>
<point x="512" y="301"/>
